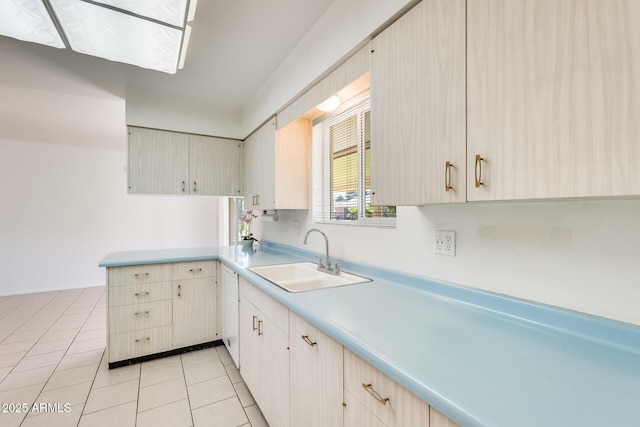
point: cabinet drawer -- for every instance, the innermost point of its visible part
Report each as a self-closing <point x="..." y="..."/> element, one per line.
<point x="134" y="317"/>
<point x="137" y="274"/>
<point x="142" y="293"/>
<point x="193" y="270"/>
<point x="276" y="312"/>
<point x="356" y="415"/>
<point x="371" y="387"/>
<point x="139" y="343"/>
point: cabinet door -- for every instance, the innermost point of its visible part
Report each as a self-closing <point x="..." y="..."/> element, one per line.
<point x="292" y="165"/>
<point x="418" y="107"/>
<point x="316" y="376"/>
<point x="158" y="162"/>
<point x="438" y="420"/>
<point x="215" y="166"/>
<point x="357" y="415"/>
<point x="274" y="373"/>
<point x="259" y="155"/>
<point x="553" y="98"/>
<point x="194" y="313"/>
<point x="249" y="346"/>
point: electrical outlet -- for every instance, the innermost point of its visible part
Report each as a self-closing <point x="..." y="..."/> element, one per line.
<point x="445" y="243"/>
<point x="296" y="228"/>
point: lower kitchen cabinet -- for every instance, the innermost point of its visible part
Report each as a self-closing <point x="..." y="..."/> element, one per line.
<point x="264" y="352"/>
<point x="194" y="319"/>
<point x="316" y="374"/>
<point x="154" y="308"/>
<point x="356" y="414"/>
<point x="376" y="398"/>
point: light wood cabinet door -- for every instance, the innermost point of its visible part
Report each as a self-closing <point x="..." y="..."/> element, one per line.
<point x="357" y="415"/>
<point x="249" y="346"/>
<point x="215" y="166"/>
<point x="418" y="107"/>
<point x="437" y="419"/>
<point x="259" y="155"/>
<point x="274" y="373"/>
<point x="194" y="313"/>
<point x="316" y="376"/>
<point x="293" y="165"/>
<point x="158" y="162"/>
<point x="553" y="98"/>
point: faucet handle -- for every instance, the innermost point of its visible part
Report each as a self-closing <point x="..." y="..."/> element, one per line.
<point x="336" y="268"/>
<point x="320" y="262"/>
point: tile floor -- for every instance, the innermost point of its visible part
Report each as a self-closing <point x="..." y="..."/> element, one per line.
<point x="52" y="349"/>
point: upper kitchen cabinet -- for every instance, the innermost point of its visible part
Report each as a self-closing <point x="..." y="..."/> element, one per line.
<point x="158" y="162"/>
<point x="418" y="107"/>
<point x="553" y="99"/>
<point x="277" y="164"/>
<point x="163" y="162"/>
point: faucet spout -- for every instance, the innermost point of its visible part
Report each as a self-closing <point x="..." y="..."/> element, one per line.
<point x="328" y="268"/>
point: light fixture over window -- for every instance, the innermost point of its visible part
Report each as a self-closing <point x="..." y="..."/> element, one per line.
<point x="329" y="104"/>
<point x="148" y="33"/>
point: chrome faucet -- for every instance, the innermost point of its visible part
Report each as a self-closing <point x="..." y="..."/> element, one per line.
<point x="335" y="270"/>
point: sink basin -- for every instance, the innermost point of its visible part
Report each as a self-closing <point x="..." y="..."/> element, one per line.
<point x="304" y="276"/>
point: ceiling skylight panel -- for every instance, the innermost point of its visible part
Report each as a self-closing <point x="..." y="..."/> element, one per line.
<point x="28" y="20"/>
<point x="117" y="36"/>
<point x="170" y="11"/>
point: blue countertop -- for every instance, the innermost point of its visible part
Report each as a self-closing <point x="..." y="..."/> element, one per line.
<point x="481" y="359"/>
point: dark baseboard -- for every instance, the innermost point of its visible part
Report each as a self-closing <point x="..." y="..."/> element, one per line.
<point x="165" y="354"/>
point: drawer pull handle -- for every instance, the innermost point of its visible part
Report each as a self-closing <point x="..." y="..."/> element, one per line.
<point x="447" y="176"/>
<point x="195" y="270"/>
<point x="195" y="187"/>
<point x="179" y="290"/>
<point x="141" y="313"/>
<point x="143" y="339"/>
<point x="478" y="170"/>
<point x="183" y="189"/>
<point x="141" y="293"/>
<point x="308" y="341"/>
<point x="375" y="394"/>
<point x="141" y="274"/>
<point x="254" y="322"/>
<point x="259" y="327"/>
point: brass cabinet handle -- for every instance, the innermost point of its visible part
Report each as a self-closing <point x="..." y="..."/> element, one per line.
<point x="195" y="270"/>
<point x="141" y="313"/>
<point x="183" y="186"/>
<point x="375" y="394"/>
<point x="195" y="187"/>
<point x="259" y="327"/>
<point x="143" y="339"/>
<point x="478" y="170"/>
<point x="257" y="203"/>
<point x="137" y="294"/>
<point x="141" y="274"/>
<point x="254" y="322"/>
<point x="308" y="341"/>
<point x="179" y="290"/>
<point x="447" y="176"/>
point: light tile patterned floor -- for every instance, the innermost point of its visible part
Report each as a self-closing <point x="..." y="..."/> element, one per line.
<point x="52" y="352"/>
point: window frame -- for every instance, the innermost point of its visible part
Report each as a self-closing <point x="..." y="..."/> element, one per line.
<point x="321" y="165"/>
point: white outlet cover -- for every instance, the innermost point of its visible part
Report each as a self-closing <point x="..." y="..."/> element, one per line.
<point x="445" y="243"/>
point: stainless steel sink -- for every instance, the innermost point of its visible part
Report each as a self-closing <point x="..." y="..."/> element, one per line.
<point x="304" y="276"/>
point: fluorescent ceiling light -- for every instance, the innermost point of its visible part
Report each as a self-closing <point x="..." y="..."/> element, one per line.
<point x="170" y="11"/>
<point x="330" y="104"/>
<point x="30" y="21"/>
<point x="147" y="33"/>
<point x="192" y="10"/>
<point x="185" y="44"/>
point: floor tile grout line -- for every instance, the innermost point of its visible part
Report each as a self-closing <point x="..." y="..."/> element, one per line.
<point x="186" y="386"/>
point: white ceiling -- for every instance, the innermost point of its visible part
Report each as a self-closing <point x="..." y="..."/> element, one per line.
<point x="235" y="46"/>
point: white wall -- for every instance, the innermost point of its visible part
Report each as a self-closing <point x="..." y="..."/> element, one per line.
<point x="582" y="255"/>
<point x="64" y="208"/>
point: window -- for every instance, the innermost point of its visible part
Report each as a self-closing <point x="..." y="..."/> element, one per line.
<point x="342" y="169"/>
